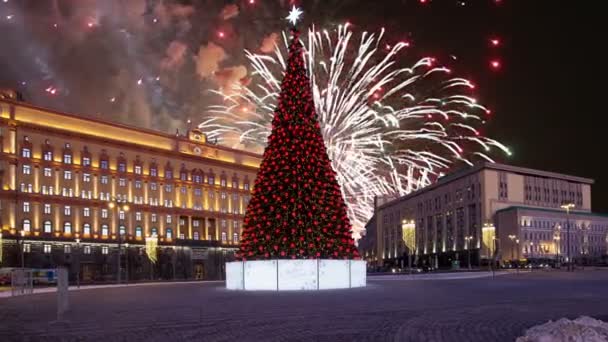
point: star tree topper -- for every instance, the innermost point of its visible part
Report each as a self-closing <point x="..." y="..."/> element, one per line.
<point x="294" y="15"/>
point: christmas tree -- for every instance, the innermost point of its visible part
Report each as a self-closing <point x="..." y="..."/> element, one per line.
<point x="297" y="210"/>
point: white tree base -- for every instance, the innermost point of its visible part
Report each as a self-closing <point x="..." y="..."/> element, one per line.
<point x="285" y="275"/>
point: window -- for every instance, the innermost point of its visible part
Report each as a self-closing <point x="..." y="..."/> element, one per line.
<point x="154" y="232"/>
<point x="26" y="207"/>
<point x="235" y="237"/>
<point x="104" y="229"/>
<point x="137" y="169"/>
<point x="26" y="152"/>
<point x="223" y="195"/>
<point x="224" y="236"/>
<point x="27" y="248"/>
<point x="196" y="223"/>
<point x="87" y="249"/>
<point x="67" y="174"/>
<point x="168" y="218"/>
<point x="121" y="215"/>
<point x="235" y="184"/>
<point x="103" y="164"/>
<point x="122" y="182"/>
<point x="67" y="228"/>
<point x="26" y="225"/>
<point x="153" y="218"/>
<point x="104" y="249"/>
<point x="183" y="189"/>
<point x="137" y="184"/>
<point x="122" y="167"/>
<point x="168" y="188"/>
<point x="67" y="158"/>
<point x="104" y="179"/>
<point x="48" y="172"/>
<point x="67" y="249"/>
<point x="67" y="210"/>
<point x="195" y="236"/>
<point x="46" y="248"/>
<point x="48" y="155"/>
<point x="153" y="172"/>
<point x="198" y="192"/>
<point x="47" y="208"/>
<point x="197" y="178"/>
<point x="104" y="213"/>
<point x="47" y="226"/>
<point x="86" y="177"/>
<point x="223" y="181"/>
<point x="211" y="180"/>
<point x="138" y="216"/>
<point x="183" y="176"/>
<point x="122" y="230"/>
<point x="27" y="169"/>
<point x="246" y="186"/>
<point x="86" y="161"/>
<point x="223" y="223"/>
<point x="169" y="233"/>
<point x="153" y="186"/>
<point x="138" y="232"/>
<point x="86" y="229"/>
<point x="168" y="174"/>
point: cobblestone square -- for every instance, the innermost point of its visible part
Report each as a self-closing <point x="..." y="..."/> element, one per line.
<point x="390" y="308"/>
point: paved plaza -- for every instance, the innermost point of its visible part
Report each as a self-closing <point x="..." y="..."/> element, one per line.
<point x="391" y="308"/>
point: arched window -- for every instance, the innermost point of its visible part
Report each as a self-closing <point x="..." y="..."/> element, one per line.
<point x="86" y="229"/>
<point x="235" y="237"/>
<point x="168" y="171"/>
<point x="154" y="232"/>
<point x="224" y="236"/>
<point x="47" y="227"/>
<point x="122" y="230"/>
<point x="183" y="173"/>
<point x="169" y="233"/>
<point x="26" y="225"/>
<point x="67" y="154"/>
<point x="67" y="228"/>
<point x="138" y="232"/>
<point x="104" y="230"/>
<point x="223" y="181"/>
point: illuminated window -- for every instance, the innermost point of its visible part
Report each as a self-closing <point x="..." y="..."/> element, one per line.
<point x="47" y="208"/>
<point x="181" y="236"/>
<point x="67" y="158"/>
<point x="86" y="177"/>
<point x="103" y="164"/>
<point x="246" y="186"/>
<point x="224" y="236"/>
<point x="87" y="249"/>
<point x="223" y="195"/>
<point x="27" y="169"/>
<point x="183" y="176"/>
<point x="197" y="179"/>
<point x="122" y="230"/>
<point x="168" y="188"/>
<point x="198" y="192"/>
<point x="26" y="225"/>
<point x="67" y="174"/>
<point x="223" y="182"/>
<point x="67" y="210"/>
<point x="195" y="236"/>
<point x="153" y="186"/>
<point x="67" y="228"/>
<point x="26" y="152"/>
<point x="223" y="223"/>
<point x="46" y="248"/>
<point x="154" y="232"/>
<point x="104" y="230"/>
<point x="235" y="237"/>
<point x="104" y="179"/>
<point x="27" y="248"/>
<point x="183" y="189"/>
<point x="47" y="226"/>
<point x="138" y="232"/>
<point x="48" y="155"/>
<point x="211" y="180"/>
<point x="121" y="215"/>
<point x="137" y="184"/>
<point x="104" y="213"/>
<point x="168" y="218"/>
<point x="196" y="223"/>
<point x="86" y="229"/>
<point x="48" y="172"/>
<point x="153" y="217"/>
<point x="137" y="169"/>
<point x="104" y="249"/>
<point x="138" y="216"/>
<point x="67" y="249"/>
<point x="168" y="174"/>
<point x="86" y="161"/>
<point x="235" y="183"/>
<point x="26" y="207"/>
<point x="153" y="171"/>
<point x="169" y="233"/>
<point x="122" y="167"/>
<point x="122" y="182"/>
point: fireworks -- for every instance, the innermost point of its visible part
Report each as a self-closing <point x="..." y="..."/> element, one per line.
<point x="389" y="130"/>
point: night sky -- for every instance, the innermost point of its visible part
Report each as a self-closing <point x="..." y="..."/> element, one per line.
<point x="546" y="97"/>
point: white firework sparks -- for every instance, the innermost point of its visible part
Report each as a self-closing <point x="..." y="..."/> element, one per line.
<point x="389" y="130"/>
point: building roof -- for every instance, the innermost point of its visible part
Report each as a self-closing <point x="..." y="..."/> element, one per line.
<point x="467" y="171"/>
<point x="555" y="211"/>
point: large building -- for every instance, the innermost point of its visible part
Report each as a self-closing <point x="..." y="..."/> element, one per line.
<point x="75" y="191"/>
<point x="487" y="212"/>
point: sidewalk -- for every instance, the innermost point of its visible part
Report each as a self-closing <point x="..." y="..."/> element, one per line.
<point x="441" y="276"/>
<point x="8" y="293"/>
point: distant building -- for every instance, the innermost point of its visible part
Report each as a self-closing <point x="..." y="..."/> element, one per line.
<point x="489" y="211"/>
<point x="59" y="173"/>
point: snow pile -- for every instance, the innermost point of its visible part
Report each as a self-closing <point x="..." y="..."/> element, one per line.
<point x="582" y="329"/>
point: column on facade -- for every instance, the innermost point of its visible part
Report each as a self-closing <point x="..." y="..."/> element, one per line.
<point x="206" y="228"/>
<point x="36" y="178"/>
<point x="217" y="228"/>
<point x="95" y="227"/>
<point x="189" y="227"/>
<point x="231" y="231"/>
<point x="95" y="186"/>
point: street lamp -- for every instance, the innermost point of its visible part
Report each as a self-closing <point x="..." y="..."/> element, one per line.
<point x="556" y="243"/>
<point x="468" y="239"/>
<point x="120" y="205"/>
<point x="78" y="264"/>
<point x="126" y="262"/>
<point x="512" y="238"/>
<point x="568" y="207"/>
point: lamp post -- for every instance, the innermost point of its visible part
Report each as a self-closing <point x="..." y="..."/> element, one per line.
<point x="126" y="263"/>
<point x="517" y="246"/>
<point x="78" y="262"/>
<point x="119" y="204"/>
<point x="22" y="235"/>
<point x="512" y="238"/>
<point x="468" y="239"/>
<point x="556" y="240"/>
<point x="531" y="254"/>
<point x="567" y="207"/>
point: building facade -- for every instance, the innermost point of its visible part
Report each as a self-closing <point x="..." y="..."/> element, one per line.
<point x="75" y="191"/>
<point x="489" y="211"/>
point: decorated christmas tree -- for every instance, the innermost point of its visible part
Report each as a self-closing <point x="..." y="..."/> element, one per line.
<point x="297" y="210"/>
